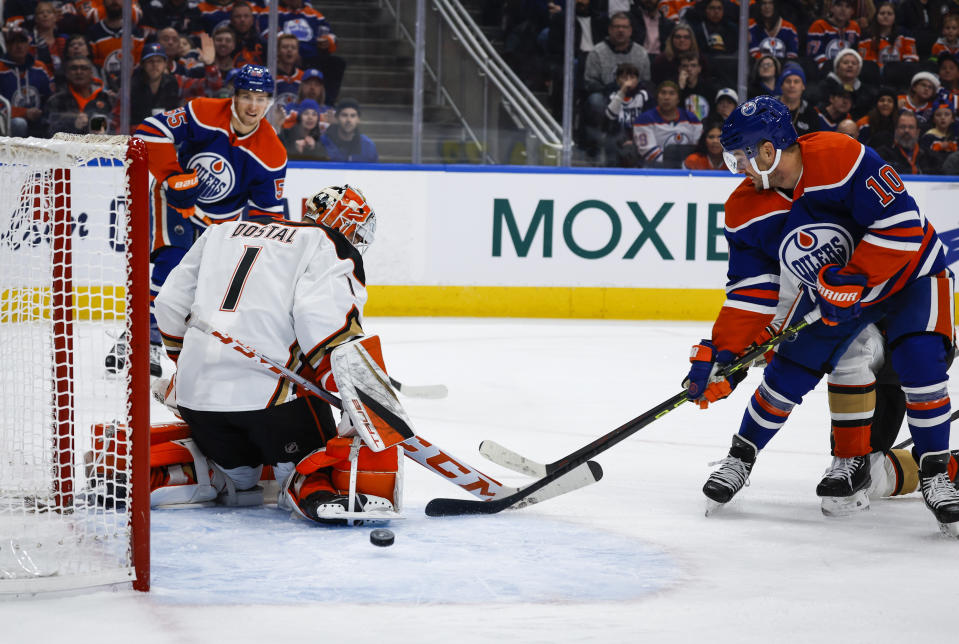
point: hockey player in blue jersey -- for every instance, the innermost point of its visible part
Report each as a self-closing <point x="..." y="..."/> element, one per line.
<point x="856" y="241"/>
<point x="212" y="161"/>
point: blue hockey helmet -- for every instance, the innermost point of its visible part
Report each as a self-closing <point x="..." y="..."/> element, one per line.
<point x="760" y="119"/>
<point x="254" y="78"/>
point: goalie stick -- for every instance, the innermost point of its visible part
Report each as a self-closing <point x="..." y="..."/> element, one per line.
<point x="526" y="495"/>
<point x="417" y="448"/>
<point x="420" y="391"/>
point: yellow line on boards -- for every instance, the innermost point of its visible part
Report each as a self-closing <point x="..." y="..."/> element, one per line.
<point x="545" y="302"/>
<point x="108" y="302"/>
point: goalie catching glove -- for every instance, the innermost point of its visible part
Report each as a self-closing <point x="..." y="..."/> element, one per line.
<point x="703" y="383"/>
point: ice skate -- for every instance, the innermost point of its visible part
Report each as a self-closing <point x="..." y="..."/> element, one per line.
<point x="844" y="486"/>
<point x="939" y="493"/>
<point x="732" y="474"/>
<point x="156" y="360"/>
<point x="117" y="356"/>
<point x="327" y="506"/>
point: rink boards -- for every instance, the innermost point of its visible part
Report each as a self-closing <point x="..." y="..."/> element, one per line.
<point x="563" y="243"/>
<point x="478" y="241"/>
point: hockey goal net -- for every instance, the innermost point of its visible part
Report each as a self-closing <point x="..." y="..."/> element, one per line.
<point x="74" y="282"/>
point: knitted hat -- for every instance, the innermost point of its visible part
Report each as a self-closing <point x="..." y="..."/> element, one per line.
<point x="347" y="103"/>
<point x="792" y="70"/>
<point x="835" y="88"/>
<point x="845" y="52"/>
<point x="308" y="104"/>
<point x="929" y="76"/>
<point x="885" y="90"/>
<point x="946" y="56"/>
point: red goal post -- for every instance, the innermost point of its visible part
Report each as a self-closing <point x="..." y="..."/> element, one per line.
<point x="74" y="439"/>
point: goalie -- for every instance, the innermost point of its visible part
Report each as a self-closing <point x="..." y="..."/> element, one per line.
<point x="295" y="291"/>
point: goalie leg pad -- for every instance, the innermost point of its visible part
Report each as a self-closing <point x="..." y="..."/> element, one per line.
<point x="368" y="398"/>
<point x="181" y="474"/>
<point x="322" y="483"/>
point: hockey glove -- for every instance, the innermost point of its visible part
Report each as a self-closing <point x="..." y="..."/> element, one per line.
<point x="703" y="384"/>
<point x="767" y="357"/>
<point x="182" y="191"/>
<point x="838" y="295"/>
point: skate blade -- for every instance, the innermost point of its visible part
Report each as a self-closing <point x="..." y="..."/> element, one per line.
<point x="950" y="529"/>
<point x="844" y="506"/>
<point x="712" y="506"/>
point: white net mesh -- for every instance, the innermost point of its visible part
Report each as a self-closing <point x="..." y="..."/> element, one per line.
<point x="63" y="298"/>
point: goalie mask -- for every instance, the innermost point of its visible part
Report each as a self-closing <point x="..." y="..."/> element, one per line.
<point x="344" y="208"/>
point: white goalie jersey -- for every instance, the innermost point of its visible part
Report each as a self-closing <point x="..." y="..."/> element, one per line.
<point x="290" y="290"/>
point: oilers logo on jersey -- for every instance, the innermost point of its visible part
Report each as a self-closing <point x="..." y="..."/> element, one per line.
<point x="215" y="174"/>
<point x="26" y="96"/>
<point x="835" y="46"/>
<point x="299" y="28"/>
<point x="773" y="46"/>
<point x="808" y="248"/>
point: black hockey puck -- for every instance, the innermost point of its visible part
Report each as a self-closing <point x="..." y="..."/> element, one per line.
<point x="382" y="537"/>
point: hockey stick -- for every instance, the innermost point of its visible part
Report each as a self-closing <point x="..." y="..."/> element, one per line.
<point x="416" y="448"/>
<point x="526" y="496"/>
<point x="420" y="391"/>
<point x="505" y="457"/>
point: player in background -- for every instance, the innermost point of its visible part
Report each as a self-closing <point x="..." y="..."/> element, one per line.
<point x="212" y="161"/>
<point x="295" y="291"/>
<point x="855" y="240"/>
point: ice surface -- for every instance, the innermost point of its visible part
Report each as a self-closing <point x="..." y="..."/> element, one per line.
<point x="629" y="559"/>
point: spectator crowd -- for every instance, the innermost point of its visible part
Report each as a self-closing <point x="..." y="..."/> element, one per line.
<point x="654" y="79"/>
<point x="60" y="68"/>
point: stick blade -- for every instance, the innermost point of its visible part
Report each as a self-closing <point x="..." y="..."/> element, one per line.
<point x="584" y="475"/>
<point x="505" y="457"/>
<point x="420" y="391"/>
<point x="459" y="507"/>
